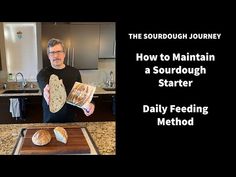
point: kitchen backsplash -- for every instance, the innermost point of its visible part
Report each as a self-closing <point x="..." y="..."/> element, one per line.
<point x="101" y="75"/>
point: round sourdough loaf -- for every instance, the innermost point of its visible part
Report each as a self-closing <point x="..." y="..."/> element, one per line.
<point x="61" y="134"/>
<point x="57" y="94"/>
<point x="41" y="137"/>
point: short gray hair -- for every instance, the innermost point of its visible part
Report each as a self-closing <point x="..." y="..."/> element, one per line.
<point x="52" y="42"/>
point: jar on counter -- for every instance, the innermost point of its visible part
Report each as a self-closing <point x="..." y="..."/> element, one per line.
<point x="10" y="76"/>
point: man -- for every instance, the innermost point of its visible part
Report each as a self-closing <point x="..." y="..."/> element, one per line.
<point x="68" y="74"/>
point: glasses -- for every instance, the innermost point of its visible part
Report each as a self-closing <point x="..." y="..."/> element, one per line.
<point x="56" y="52"/>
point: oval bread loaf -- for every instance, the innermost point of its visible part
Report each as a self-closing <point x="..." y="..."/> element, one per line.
<point x="57" y="94"/>
<point x="61" y="134"/>
<point x="41" y="137"/>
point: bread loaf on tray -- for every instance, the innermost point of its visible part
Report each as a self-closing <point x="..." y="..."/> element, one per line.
<point x="41" y="137"/>
<point x="61" y="134"/>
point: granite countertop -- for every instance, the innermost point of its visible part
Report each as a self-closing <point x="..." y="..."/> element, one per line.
<point x="103" y="134"/>
<point x="100" y="90"/>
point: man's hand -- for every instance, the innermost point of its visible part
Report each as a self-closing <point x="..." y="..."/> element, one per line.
<point x="89" y="109"/>
<point x="46" y="94"/>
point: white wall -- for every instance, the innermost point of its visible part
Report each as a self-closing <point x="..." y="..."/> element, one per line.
<point x="21" y="53"/>
<point x="3" y="71"/>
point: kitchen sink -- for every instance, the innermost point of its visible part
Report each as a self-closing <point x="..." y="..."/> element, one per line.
<point x="20" y="91"/>
<point x="109" y="88"/>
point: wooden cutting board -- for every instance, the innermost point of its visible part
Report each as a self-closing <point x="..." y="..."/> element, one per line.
<point x="76" y="144"/>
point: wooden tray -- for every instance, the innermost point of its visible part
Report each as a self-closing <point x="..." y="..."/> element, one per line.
<point x="79" y="142"/>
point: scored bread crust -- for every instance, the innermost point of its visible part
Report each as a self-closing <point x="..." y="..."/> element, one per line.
<point x="57" y="94"/>
<point x="61" y="134"/>
<point x="41" y="137"/>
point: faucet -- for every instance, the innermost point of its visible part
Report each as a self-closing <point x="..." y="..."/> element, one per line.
<point x="23" y="82"/>
<point x="111" y="79"/>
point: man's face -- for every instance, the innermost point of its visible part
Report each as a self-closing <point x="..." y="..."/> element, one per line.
<point x="56" y="56"/>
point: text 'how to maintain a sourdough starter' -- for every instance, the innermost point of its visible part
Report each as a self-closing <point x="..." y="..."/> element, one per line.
<point x="178" y="70"/>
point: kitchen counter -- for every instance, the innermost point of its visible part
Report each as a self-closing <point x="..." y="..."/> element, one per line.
<point x="98" y="91"/>
<point x="39" y="93"/>
<point x="103" y="134"/>
<point x="14" y="86"/>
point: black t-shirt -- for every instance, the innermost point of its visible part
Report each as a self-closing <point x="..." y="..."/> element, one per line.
<point x="69" y="76"/>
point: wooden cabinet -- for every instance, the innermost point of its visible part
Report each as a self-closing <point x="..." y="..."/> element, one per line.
<point x="81" y="43"/>
<point x="107" y="48"/>
<point x="32" y="110"/>
<point x="85" y="46"/>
